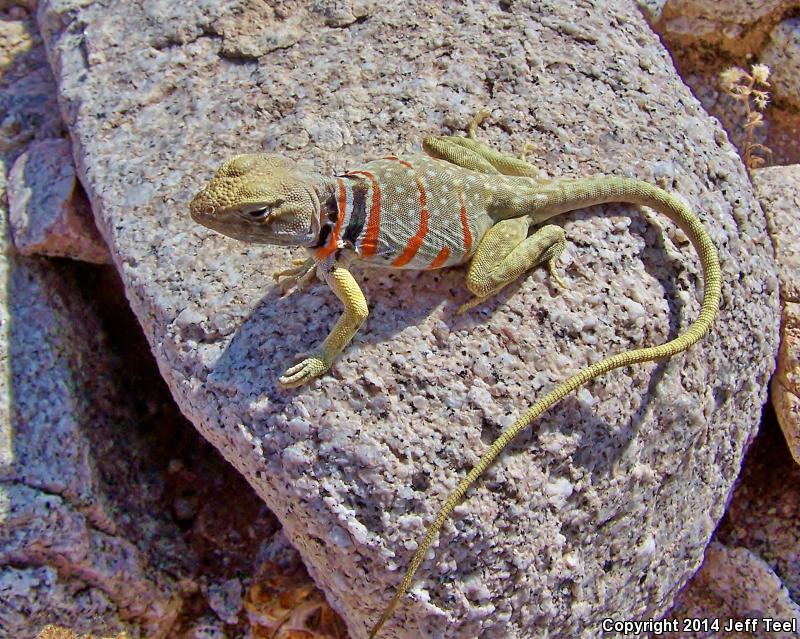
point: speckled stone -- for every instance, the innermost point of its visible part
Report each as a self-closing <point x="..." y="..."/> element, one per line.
<point x="47" y="212"/>
<point x="607" y="503"/>
<point x="735" y="584"/>
<point x="778" y="191"/>
<point x="735" y="27"/>
<point x="32" y="595"/>
<point x="782" y="54"/>
<point x="225" y="599"/>
<point x="63" y="557"/>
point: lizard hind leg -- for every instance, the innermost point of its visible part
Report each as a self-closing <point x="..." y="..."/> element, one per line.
<point x="505" y="253"/>
<point x="470" y="153"/>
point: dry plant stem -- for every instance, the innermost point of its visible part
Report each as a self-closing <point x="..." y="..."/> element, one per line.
<point x="741" y="86"/>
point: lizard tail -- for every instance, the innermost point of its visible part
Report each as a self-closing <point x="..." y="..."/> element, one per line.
<point x="552" y="199"/>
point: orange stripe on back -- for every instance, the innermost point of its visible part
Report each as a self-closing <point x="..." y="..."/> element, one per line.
<point x="441" y="258"/>
<point x="369" y="244"/>
<point x="415" y="242"/>
<point x="397" y="159"/>
<point x="465" y="225"/>
<point x="333" y="241"/>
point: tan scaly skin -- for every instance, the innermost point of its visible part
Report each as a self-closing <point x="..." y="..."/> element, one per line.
<point x="463" y="203"/>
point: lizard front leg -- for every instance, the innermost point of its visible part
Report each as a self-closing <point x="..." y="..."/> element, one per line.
<point x="344" y="286"/>
<point x="299" y="276"/>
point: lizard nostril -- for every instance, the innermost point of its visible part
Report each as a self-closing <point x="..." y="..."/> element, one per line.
<point x="201" y="206"/>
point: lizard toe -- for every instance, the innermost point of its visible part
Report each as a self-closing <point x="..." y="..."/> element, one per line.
<point x="303" y="372"/>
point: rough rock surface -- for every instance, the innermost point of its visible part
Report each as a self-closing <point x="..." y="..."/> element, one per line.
<point x="733" y="27"/>
<point x="608" y="503"/>
<point x="115" y="452"/>
<point x="778" y="191"/>
<point x="762" y="527"/>
<point x="782" y="54"/>
<point x="48" y="212"/>
<point x="734" y="583"/>
<point x="705" y="38"/>
<point x="63" y="557"/>
<point x="27" y="92"/>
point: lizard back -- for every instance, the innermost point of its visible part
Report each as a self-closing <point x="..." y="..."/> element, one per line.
<point x="414" y="213"/>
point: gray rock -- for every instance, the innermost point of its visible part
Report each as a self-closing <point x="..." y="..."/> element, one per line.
<point x="34" y="595"/>
<point x="225" y="599"/>
<point x="736" y="584"/>
<point x="64" y="557"/>
<point x="608" y="502"/>
<point x="48" y="213"/>
<point x="782" y="55"/>
<point x="778" y="191"/>
<point x="27" y="91"/>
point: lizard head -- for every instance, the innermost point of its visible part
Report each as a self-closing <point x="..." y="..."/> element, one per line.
<point x="260" y="198"/>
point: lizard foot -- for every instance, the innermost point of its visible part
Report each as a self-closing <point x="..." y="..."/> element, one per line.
<point x="296" y="278"/>
<point x="475" y="301"/>
<point x="303" y="372"/>
<point x="526" y="149"/>
<point x="476" y="121"/>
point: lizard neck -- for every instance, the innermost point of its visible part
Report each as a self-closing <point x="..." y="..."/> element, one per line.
<point x="324" y="188"/>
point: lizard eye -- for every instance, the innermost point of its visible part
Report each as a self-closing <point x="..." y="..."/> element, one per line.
<point x="257" y="214"/>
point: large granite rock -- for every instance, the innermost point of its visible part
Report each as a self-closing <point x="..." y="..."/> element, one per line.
<point x="606" y="505"/>
<point x="64" y="555"/>
<point x="778" y="190"/>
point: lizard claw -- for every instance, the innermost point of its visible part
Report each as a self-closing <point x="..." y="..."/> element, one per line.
<point x="296" y="278"/>
<point x="551" y="266"/>
<point x="526" y="149"/>
<point x="305" y="371"/>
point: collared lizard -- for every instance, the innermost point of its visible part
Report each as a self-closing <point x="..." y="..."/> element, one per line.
<point x="463" y="202"/>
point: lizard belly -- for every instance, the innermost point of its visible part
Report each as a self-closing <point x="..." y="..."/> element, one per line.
<point x="420" y="213"/>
